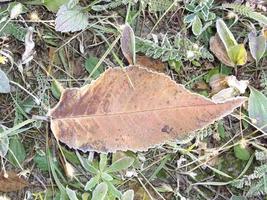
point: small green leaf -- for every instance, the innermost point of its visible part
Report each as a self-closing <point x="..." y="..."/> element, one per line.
<point x="189" y="18"/>
<point x="128" y="195"/>
<point x="113" y="190"/>
<point x="197" y="26"/>
<point x="17" y="153"/>
<point x="71" y="19"/>
<point x="100" y="191"/>
<point x="71" y="194"/>
<point x="257" y="109"/>
<point x="87" y="165"/>
<point x="91" y="183"/>
<point x="4" y="83"/>
<point x="41" y="162"/>
<point x="70" y="156"/>
<point x="238" y="54"/>
<point x="120" y="164"/>
<point x="257" y="45"/>
<point x="90" y="64"/>
<point x="56" y="89"/>
<point x="103" y="162"/>
<point x="106" y="177"/>
<point x="241" y="152"/>
<point x="53" y="5"/>
<point x="175" y="65"/>
<point x="225" y="34"/>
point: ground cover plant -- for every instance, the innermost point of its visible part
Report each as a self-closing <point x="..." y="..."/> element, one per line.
<point x="133" y="99"/>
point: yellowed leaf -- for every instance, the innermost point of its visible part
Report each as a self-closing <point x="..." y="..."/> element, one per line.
<point x="238" y="54"/>
<point x="113" y="114"/>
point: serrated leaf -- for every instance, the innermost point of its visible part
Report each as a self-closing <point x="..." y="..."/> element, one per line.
<point x="100" y="192"/>
<point x="257" y="107"/>
<point x="257" y="45"/>
<point x="71" y="19"/>
<point x="225" y="34"/>
<point x="197" y="26"/>
<point x="128" y="195"/>
<point x="4" y="83"/>
<point x="85" y="118"/>
<point x="241" y="152"/>
<point x="238" y="54"/>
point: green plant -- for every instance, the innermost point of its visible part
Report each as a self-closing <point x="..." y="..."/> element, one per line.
<point x="177" y="48"/>
<point x="246" y="11"/>
<point x="256" y="182"/>
<point x="103" y="176"/>
<point x="201" y="17"/>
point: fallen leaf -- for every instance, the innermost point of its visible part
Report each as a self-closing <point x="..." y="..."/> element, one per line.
<point x="217" y="47"/>
<point x="224" y="94"/>
<point x="12" y="182"/>
<point x="150" y="63"/>
<point x="241" y="85"/>
<point x="110" y="115"/>
<point x="217" y="83"/>
<point x="228" y="87"/>
<point x="128" y="43"/>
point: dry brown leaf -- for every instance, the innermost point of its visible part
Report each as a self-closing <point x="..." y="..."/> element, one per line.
<point x="12" y="182"/>
<point x="110" y="115"/>
<point x="150" y="63"/>
<point x="217" y="83"/>
<point x="128" y="43"/>
<point x="217" y="47"/>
